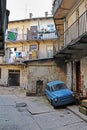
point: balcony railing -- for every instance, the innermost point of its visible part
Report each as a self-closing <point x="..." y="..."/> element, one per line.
<point x="58" y="45"/>
<point x="31" y="36"/>
<point x="78" y="28"/>
<point x="56" y="4"/>
<point x="19" y="58"/>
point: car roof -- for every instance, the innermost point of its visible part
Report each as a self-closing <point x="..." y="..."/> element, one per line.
<point x="54" y="82"/>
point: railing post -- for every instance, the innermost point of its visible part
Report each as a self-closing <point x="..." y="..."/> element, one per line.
<point x="86" y="20"/>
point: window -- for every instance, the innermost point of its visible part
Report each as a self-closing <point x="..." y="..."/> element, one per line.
<point x="50" y="25"/>
<point x="0" y="73"/>
<point x="33" y="47"/>
<point x="50" y="28"/>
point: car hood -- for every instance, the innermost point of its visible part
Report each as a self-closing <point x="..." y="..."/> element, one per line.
<point x="62" y="92"/>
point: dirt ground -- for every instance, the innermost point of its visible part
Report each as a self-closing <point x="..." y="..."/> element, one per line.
<point x="12" y="91"/>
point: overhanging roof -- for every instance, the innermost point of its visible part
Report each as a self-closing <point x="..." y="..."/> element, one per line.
<point x="61" y="12"/>
<point x="38" y="60"/>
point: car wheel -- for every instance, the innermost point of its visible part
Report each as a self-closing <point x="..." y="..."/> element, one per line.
<point x="53" y="105"/>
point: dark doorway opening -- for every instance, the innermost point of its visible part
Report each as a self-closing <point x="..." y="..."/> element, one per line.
<point x="14" y="78"/>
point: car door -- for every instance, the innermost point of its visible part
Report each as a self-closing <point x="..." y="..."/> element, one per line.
<point x="49" y="93"/>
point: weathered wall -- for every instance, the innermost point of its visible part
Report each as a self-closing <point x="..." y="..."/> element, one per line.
<point x="72" y="16"/>
<point x="38" y="70"/>
<point x="69" y="75"/>
<point x="84" y="74"/>
<point x="4" y="74"/>
<point x="24" y="77"/>
<point x="45" y="71"/>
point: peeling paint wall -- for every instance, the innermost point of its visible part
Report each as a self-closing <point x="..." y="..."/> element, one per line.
<point x="84" y="74"/>
<point x="4" y="74"/>
<point x="23" y="78"/>
<point x="45" y="71"/>
<point x="69" y="75"/>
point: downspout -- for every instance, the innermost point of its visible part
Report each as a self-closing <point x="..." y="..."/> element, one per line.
<point x="38" y="50"/>
<point x="72" y="75"/>
<point x="64" y="31"/>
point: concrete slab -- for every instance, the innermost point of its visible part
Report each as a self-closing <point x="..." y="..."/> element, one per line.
<point x="38" y="106"/>
<point x="75" y="110"/>
<point x="8" y="100"/>
<point x="56" y="120"/>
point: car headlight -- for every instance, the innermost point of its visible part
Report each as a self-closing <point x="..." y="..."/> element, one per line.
<point x="55" y="99"/>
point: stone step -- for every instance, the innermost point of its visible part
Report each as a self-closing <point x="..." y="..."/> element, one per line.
<point x="84" y="103"/>
<point x="83" y="110"/>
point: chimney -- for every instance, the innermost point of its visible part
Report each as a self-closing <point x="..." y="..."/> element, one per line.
<point x="46" y="14"/>
<point x="30" y="15"/>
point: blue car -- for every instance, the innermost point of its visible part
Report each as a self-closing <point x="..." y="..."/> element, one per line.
<point x="58" y="94"/>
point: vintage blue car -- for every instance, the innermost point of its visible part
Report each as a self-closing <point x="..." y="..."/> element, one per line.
<point x="58" y="94"/>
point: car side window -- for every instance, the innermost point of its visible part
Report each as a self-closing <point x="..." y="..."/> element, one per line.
<point x="48" y="88"/>
<point x="52" y="89"/>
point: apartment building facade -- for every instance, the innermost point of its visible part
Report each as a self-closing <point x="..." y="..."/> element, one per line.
<point x="29" y="54"/>
<point x="70" y="19"/>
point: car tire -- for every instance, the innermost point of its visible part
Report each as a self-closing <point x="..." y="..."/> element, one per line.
<point x="53" y="105"/>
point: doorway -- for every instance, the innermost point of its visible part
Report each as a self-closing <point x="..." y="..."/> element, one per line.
<point x="13" y="77"/>
<point x="78" y="76"/>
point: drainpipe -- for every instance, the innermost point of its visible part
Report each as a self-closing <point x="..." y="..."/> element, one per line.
<point x="72" y="75"/>
<point x="38" y="50"/>
<point x="64" y="31"/>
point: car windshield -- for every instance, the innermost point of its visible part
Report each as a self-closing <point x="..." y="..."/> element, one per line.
<point x="58" y="87"/>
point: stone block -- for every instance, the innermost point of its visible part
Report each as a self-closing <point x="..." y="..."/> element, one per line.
<point x="83" y="110"/>
<point x="84" y="103"/>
